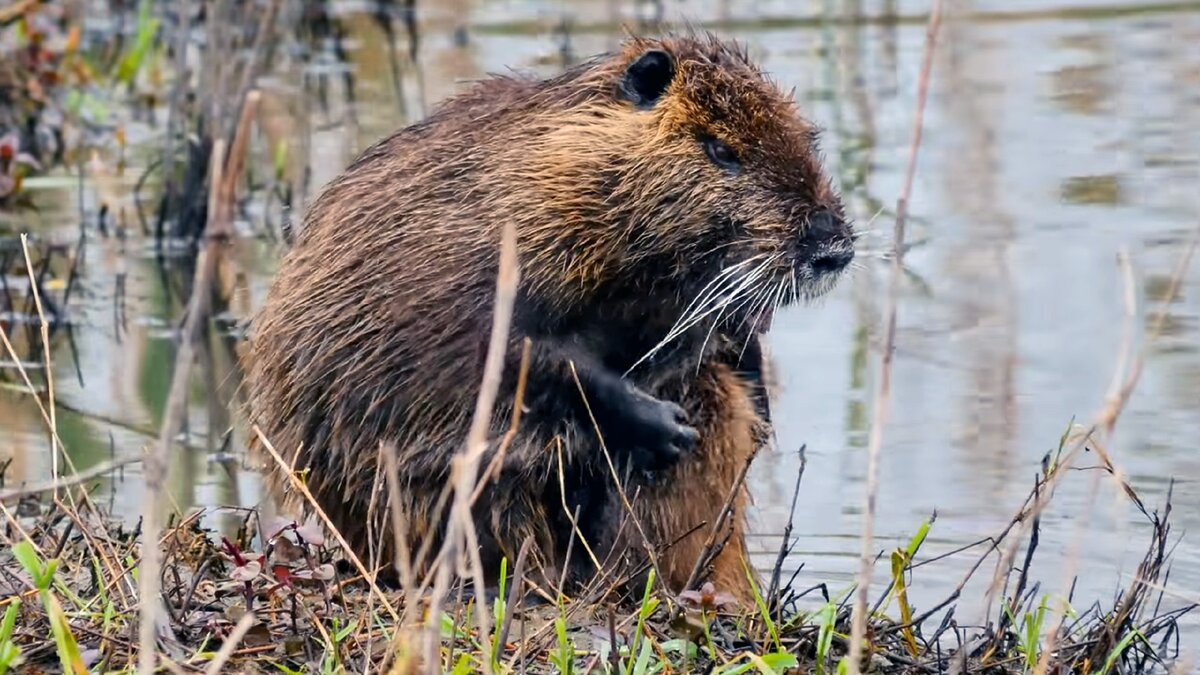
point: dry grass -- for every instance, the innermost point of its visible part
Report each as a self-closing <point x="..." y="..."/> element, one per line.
<point x="313" y="611"/>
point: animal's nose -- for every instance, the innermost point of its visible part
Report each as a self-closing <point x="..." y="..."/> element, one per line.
<point x="830" y="242"/>
<point x="826" y="227"/>
<point x="834" y="261"/>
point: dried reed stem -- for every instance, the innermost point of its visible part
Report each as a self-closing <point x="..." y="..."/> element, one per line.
<point x="460" y="528"/>
<point x="1129" y="303"/>
<point x="157" y="459"/>
<point x="401" y="555"/>
<point x="1121" y="389"/>
<point x="882" y="402"/>
<point x="103" y="547"/>
<point x="231" y="643"/>
<point x="55" y="443"/>
<point x="16" y="359"/>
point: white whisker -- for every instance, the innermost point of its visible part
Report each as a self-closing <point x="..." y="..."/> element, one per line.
<point x="716" y="296"/>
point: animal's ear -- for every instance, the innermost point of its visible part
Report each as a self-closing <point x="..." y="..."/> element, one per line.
<point x="647" y="78"/>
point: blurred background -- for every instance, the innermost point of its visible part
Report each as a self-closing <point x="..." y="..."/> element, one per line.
<point x="1058" y="134"/>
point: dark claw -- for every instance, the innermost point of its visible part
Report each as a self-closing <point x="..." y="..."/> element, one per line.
<point x="660" y="432"/>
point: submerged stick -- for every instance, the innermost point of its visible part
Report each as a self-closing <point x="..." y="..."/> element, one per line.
<point x="882" y="401"/>
<point x="69" y="481"/>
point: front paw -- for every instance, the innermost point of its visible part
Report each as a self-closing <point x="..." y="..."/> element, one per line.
<point x="659" y="432"/>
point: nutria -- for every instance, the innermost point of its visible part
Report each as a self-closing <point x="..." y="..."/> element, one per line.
<point x="667" y="199"/>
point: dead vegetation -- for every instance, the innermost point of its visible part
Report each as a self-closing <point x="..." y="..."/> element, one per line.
<point x="280" y="596"/>
<point x="285" y="596"/>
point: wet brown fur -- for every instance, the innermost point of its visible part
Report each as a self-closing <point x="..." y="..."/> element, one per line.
<point x="376" y="325"/>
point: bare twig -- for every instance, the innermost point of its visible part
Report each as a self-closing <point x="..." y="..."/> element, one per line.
<point x="785" y="545"/>
<point x="710" y="549"/>
<point x="514" y="593"/>
<point x="492" y="472"/>
<point x="882" y="401"/>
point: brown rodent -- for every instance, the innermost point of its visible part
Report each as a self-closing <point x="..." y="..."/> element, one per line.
<point x="667" y="199"/>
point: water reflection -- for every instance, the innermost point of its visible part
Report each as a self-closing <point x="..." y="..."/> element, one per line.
<point x="1055" y="137"/>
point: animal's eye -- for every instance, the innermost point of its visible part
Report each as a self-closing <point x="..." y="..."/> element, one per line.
<point x="722" y="155"/>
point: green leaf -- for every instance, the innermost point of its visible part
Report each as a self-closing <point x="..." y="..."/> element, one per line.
<point x="685" y="647"/>
<point x="10" y="620"/>
<point x="281" y="156"/>
<point x="32" y="563"/>
<point x="1119" y="649"/>
<point x="762" y="608"/>
<point x="147" y="29"/>
<point x="650" y="607"/>
<point x="10" y="657"/>
<point x="463" y="667"/>
<point x="64" y="640"/>
<point x="918" y="539"/>
<point x="737" y="670"/>
<point x="350" y="628"/>
<point x="564" y="656"/>
<point x="778" y="661"/>
<point x="642" y="664"/>
<point x="10" y="654"/>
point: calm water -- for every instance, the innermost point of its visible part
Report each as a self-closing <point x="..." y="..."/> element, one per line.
<point x="1057" y="135"/>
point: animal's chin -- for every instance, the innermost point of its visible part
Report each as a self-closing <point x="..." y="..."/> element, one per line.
<point x="816" y="287"/>
<point x="807" y="291"/>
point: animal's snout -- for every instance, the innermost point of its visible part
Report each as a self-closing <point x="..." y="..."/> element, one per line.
<point x="828" y="244"/>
